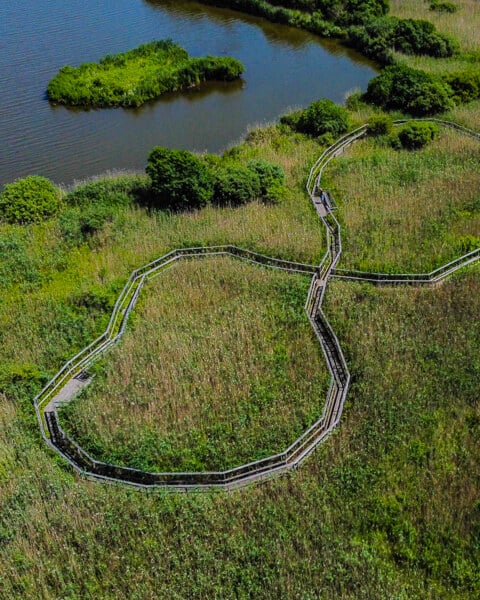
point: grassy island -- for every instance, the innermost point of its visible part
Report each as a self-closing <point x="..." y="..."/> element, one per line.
<point x="132" y="78"/>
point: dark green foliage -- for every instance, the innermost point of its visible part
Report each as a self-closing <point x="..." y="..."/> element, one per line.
<point x="379" y="125"/>
<point x="134" y="77"/>
<point x="236" y="185"/>
<point x="420" y="37"/>
<point x="19" y="380"/>
<point x="27" y="200"/>
<point x="443" y="7"/>
<point x="321" y="117"/>
<point x="378" y="39"/>
<point x="116" y="191"/>
<point x="416" y="135"/>
<point x="309" y="17"/>
<point x="465" y="85"/>
<point x="270" y="175"/>
<point x="180" y="180"/>
<point x="412" y="91"/>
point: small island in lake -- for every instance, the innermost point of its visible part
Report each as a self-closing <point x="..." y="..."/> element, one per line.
<point x="134" y="77"/>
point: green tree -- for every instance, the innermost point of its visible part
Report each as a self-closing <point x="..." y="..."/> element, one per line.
<point x="180" y="180"/>
<point x="323" y="116"/>
<point x="410" y="90"/>
<point x="27" y="200"/>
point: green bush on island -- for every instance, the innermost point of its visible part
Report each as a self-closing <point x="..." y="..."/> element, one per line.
<point x="134" y="77"/>
<point x="27" y="200"/>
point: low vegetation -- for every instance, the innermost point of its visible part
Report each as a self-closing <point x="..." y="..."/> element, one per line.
<point x="220" y="367"/>
<point x="388" y="506"/>
<point x="406" y="211"/>
<point x="134" y="77"/>
<point x="323" y="119"/>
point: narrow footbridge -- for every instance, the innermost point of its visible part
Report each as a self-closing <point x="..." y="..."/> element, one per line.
<point x="73" y="376"/>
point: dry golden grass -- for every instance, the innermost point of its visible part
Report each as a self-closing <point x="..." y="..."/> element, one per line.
<point x="220" y="367"/>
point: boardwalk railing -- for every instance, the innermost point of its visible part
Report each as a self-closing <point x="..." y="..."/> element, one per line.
<point x="290" y="458"/>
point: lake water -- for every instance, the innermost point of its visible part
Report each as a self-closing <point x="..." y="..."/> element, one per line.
<point x="285" y="68"/>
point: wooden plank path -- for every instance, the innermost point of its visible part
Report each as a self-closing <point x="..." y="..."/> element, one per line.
<point x="73" y="376"/>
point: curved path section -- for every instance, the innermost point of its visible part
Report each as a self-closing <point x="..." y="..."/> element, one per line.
<point x="73" y="376"/>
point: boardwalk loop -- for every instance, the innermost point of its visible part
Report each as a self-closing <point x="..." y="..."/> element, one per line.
<point x="74" y="374"/>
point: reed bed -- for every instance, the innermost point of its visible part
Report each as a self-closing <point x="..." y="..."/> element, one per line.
<point x="220" y="367"/>
<point x="405" y="211"/>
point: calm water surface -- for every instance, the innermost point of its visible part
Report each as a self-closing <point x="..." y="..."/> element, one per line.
<point x="284" y="68"/>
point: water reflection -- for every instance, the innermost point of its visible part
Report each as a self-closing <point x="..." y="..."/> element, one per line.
<point x="284" y="67"/>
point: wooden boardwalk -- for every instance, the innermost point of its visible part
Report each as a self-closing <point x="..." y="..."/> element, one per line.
<point x="71" y="378"/>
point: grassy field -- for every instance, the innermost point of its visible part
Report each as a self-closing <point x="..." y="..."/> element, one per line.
<point x="388" y="507"/>
<point x="462" y="25"/>
<point x="220" y="367"/>
<point x="404" y="211"/>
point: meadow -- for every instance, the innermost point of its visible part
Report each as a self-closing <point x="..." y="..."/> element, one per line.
<point x="404" y="211"/>
<point x="228" y="370"/>
<point x="387" y="507"/>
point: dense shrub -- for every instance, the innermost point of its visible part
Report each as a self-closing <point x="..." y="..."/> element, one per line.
<point x="179" y="179"/>
<point x="321" y="117"/>
<point x="16" y="266"/>
<point x="416" y="135"/>
<point x="27" y="200"/>
<point x="443" y="7"/>
<point x="139" y="75"/>
<point x="412" y="91"/>
<point x="420" y="37"/>
<point x="465" y="85"/>
<point x="121" y="190"/>
<point x="378" y="39"/>
<point x="78" y="225"/>
<point x="379" y="125"/>
<point x="236" y="185"/>
<point x="269" y="174"/>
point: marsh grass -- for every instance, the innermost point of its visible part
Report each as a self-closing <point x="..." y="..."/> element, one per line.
<point x="220" y="367"/>
<point x="404" y="211"/>
<point x="388" y="507"/>
<point x="462" y="25"/>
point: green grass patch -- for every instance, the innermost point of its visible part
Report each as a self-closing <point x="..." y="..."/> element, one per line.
<point x="407" y="211"/>
<point x="134" y="77"/>
<point x="220" y="367"/>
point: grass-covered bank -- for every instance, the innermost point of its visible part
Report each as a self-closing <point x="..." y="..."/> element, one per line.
<point x="132" y="78"/>
<point x="219" y="367"/>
